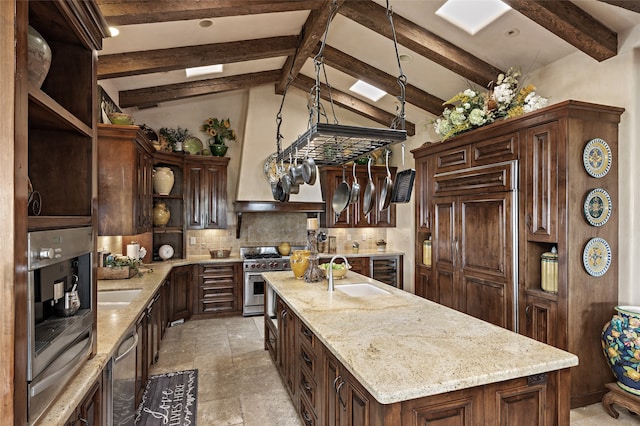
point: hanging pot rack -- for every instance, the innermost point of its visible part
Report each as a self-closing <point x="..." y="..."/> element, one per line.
<point x="336" y="144"/>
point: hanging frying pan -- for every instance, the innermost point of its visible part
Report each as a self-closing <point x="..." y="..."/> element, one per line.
<point x="355" y="188"/>
<point x="369" y="193"/>
<point x="403" y="184"/>
<point x="387" y="188"/>
<point x="341" y="196"/>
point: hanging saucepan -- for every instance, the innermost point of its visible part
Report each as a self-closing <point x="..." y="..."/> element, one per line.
<point x="289" y="186"/>
<point x="341" y="196"/>
<point x="387" y="188"/>
<point x="295" y="171"/>
<point x="355" y="188"/>
<point x="282" y="196"/>
<point x="274" y="190"/>
<point x="369" y="193"/>
<point x="309" y="168"/>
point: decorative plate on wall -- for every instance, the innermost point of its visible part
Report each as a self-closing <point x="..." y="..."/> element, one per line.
<point x="597" y="158"/>
<point x="596" y="257"/>
<point x="597" y="207"/>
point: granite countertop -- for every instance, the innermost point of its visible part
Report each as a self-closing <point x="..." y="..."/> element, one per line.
<point x="114" y="323"/>
<point x="401" y="346"/>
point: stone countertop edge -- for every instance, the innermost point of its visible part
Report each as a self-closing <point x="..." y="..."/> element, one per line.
<point x="114" y="323"/>
<point x="401" y="346"/>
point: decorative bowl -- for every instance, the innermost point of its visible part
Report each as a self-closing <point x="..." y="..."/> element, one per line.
<point x="219" y="253"/>
<point x="338" y="273"/>
<point x="120" y="118"/>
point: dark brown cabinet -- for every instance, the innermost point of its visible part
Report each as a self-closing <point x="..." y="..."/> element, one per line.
<point x="182" y="283"/>
<point x="288" y="365"/>
<point x="125" y="180"/>
<point x="347" y="402"/>
<point x="219" y="289"/>
<point x="206" y="192"/>
<point x="545" y="151"/>
<point x="353" y="216"/>
<point x="90" y="411"/>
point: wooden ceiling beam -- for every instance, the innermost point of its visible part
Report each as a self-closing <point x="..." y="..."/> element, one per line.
<point x="572" y="24"/>
<point x="126" y="12"/>
<point x="151" y="96"/>
<point x="311" y="34"/>
<point x="380" y="79"/>
<point x="351" y="103"/>
<point x="161" y="60"/>
<point x="421" y="41"/>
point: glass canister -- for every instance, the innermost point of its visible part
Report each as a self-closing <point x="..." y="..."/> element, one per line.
<point x="549" y="271"/>
<point x="426" y="252"/>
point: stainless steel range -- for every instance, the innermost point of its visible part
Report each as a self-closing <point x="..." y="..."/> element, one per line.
<point x="257" y="260"/>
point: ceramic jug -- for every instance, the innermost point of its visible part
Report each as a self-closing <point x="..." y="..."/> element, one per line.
<point x="161" y="214"/>
<point x="163" y="180"/>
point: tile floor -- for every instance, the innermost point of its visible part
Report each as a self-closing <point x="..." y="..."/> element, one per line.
<point x="238" y="385"/>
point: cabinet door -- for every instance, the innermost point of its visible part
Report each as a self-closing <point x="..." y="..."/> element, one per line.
<point x="141" y="358"/>
<point x="182" y="283"/>
<point x="445" y="247"/>
<point x="541" y="317"/>
<point x="90" y="409"/>
<point x="206" y="196"/>
<point x="541" y="183"/>
<point x="519" y="402"/>
<point x="144" y="192"/>
<point x="287" y="326"/>
<point x="485" y="257"/>
<point x="464" y="407"/>
<point x="422" y="285"/>
<point x="423" y="182"/>
<point x="331" y="376"/>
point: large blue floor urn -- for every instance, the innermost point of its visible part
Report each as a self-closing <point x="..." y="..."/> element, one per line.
<point x="621" y="347"/>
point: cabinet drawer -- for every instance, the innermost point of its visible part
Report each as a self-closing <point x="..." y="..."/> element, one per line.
<point x="271" y="341"/>
<point x="217" y="272"/>
<point x="500" y="177"/>
<point x="308" y="359"/>
<point x="217" y="305"/>
<point x="495" y="150"/>
<point x="307" y="413"/>
<point x="307" y="336"/>
<point x="454" y="159"/>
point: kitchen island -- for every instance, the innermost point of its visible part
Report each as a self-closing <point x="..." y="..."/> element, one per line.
<point x="398" y="359"/>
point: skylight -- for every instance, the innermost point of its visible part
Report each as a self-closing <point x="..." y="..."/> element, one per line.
<point x="208" y="69"/>
<point x="367" y="90"/>
<point x="472" y="15"/>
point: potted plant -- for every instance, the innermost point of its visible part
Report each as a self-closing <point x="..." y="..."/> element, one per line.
<point x="219" y="131"/>
<point x="174" y="138"/>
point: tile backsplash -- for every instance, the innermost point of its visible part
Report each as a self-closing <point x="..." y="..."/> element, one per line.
<point x="262" y="229"/>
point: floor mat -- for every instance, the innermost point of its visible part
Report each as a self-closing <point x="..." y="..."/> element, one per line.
<point x="169" y="399"/>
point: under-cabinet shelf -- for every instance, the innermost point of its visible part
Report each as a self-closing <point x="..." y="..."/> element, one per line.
<point x="38" y="223"/>
<point x="542" y="294"/>
<point x="168" y="230"/>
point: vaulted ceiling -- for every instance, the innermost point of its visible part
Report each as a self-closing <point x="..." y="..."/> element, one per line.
<point x="263" y="42"/>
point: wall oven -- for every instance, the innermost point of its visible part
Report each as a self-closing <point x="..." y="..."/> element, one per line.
<point x="60" y="304"/>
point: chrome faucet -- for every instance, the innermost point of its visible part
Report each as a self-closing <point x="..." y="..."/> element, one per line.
<point x="346" y="265"/>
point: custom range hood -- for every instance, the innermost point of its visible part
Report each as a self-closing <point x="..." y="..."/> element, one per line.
<point x="310" y="208"/>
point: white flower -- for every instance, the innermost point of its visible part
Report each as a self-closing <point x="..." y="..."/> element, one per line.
<point x="477" y="117"/>
<point x="457" y="117"/>
<point x="533" y="102"/>
<point x="466" y="105"/>
<point x="503" y="93"/>
<point x="469" y="93"/>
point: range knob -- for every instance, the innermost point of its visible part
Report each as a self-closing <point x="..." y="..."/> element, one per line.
<point x="45" y="253"/>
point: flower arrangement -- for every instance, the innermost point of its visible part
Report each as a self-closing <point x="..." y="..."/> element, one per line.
<point x="218" y="130"/>
<point x="472" y="108"/>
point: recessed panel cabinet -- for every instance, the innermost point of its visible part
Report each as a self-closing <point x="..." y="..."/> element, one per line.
<point x="481" y="233"/>
<point x="206" y="192"/>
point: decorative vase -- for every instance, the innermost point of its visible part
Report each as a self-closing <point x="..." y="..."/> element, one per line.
<point x="621" y="347"/>
<point x="218" y="150"/>
<point x="161" y="214"/>
<point x="299" y="262"/>
<point x="163" y="180"/>
<point x="39" y="57"/>
<point x="284" y="249"/>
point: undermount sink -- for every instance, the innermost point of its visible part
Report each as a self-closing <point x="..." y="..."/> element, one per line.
<point x="117" y="299"/>
<point x="361" y="289"/>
